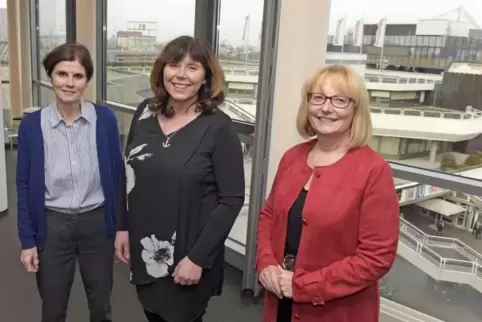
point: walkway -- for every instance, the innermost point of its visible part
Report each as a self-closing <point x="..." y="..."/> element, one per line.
<point x="427" y="225"/>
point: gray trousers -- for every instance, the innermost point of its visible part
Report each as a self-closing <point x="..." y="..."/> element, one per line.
<point x="70" y="237"/>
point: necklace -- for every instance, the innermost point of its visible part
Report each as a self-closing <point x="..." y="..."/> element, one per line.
<point x="166" y="143"/>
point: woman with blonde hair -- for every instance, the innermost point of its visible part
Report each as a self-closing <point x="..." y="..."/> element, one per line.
<point x="329" y="229"/>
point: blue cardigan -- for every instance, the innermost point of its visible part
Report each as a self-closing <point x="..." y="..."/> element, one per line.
<point x="31" y="175"/>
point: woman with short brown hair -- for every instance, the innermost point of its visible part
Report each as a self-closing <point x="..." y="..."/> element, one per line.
<point x="69" y="172"/>
<point x="184" y="185"/>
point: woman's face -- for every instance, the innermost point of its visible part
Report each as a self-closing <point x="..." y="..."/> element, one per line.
<point x="69" y="81"/>
<point x="330" y="112"/>
<point x="184" y="79"/>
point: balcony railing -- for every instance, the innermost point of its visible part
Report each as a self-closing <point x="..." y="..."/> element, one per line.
<point x="400" y="80"/>
<point x="470" y="113"/>
<point x="441" y="242"/>
<point x="447" y="269"/>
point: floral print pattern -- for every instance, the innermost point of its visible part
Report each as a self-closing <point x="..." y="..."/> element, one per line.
<point x="130" y="175"/>
<point x="158" y="255"/>
<point x="146" y="113"/>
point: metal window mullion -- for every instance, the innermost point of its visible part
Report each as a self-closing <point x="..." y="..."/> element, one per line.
<point x="34" y="50"/>
<point x="206" y="20"/>
<point x="101" y="50"/>
<point x="445" y="180"/>
<point x="71" y="20"/>
<point x="264" y="111"/>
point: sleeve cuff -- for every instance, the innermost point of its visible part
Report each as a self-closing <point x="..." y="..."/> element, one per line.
<point x="199" y="262"/>
<point x="265" y="261"/>
<point x="28" y="243"/>
<point x="305" y="288"/>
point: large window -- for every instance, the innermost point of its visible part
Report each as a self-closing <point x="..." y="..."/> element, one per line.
<point x="440" y="131"/>
<point x="52" y="28"/>
<point x="136" y="33"/>
<point x="239" y="47"/>
<point x="53" y="22"/>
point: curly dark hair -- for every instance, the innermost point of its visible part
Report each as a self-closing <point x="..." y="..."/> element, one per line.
<point x="211" y="93"/>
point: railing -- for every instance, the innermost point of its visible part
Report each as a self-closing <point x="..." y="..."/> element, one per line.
<point x="400" y="80"/>
<point x="242" y="113"/>
<point x="445" y="265"/>
<point x="470" y="113"/>
<point x="441" y="242"/>
<point x="404" y="313"/>
<point x="421" y="244"/>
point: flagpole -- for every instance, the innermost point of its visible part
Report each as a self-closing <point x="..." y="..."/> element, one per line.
<point x="383" y="45"/>
<point x="246" y="37"/>
<point x="343" y="37"/>
<point x="361" y="33"/>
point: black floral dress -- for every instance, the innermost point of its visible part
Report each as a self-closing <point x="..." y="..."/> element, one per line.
<point x="183" y="192"/>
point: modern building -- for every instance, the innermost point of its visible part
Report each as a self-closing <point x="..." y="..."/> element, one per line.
<point x="135" y="40"/>
<point x="429" y="45"/>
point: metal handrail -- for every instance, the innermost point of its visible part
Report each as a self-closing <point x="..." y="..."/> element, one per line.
<point x="442" y="263"/>
<point x="454" y="115"/>
<point x="443" y="242"/>
<point x="370" y="78"/>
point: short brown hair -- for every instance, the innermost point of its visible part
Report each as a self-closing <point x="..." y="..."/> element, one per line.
<point x="211" y="94"/>
<point x="347" y="81"/>
<point x="69" y="52"/>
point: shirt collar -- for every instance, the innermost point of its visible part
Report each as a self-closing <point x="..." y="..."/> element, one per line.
<point x="86" y="112"/>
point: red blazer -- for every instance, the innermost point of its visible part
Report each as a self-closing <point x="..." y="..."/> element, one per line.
<point x="349" y="237"/>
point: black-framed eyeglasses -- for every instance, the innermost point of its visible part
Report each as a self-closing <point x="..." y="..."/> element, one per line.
<point x="337" y="101"/>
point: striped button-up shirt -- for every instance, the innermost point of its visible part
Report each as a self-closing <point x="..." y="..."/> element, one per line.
<point x="72" y="178"/>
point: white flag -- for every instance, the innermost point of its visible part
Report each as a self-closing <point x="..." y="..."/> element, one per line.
<point x="358" y="33"/>
<point x="340" y="32"/>
<point x="380" y="37"/>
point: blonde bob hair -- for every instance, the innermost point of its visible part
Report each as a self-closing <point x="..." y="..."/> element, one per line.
<point x="348" y="83"/>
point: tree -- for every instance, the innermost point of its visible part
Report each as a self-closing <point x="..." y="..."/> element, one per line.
<point x="448" y="161"/>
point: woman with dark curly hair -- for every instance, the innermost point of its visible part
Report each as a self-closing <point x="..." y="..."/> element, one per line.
<point x="184" y="185"/>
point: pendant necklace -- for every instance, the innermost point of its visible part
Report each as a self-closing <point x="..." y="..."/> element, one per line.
<point x="166" y="143"/>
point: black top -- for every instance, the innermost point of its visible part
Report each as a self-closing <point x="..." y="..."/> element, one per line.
<point x="293" y="236"/>
<point x="293" y="233"/>
<point x="184" y="192"/>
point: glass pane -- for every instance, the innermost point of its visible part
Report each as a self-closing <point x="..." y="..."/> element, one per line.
<point x="52" y="28"/>
<point x="429" y="117"/>
<point x="239" y="52"/>
<point x="439" y="236"/>
<point x="124" y="119"/>
<point x="46" y="96"/>
<point x="136" y="33"/>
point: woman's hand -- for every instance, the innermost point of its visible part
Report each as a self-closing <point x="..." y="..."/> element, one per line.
<point x="187" y="273"/>
<point x="29" y="259"/>
<point x="122" y="246"/>
<point x="285" y="281"/>
<point x="269" y="279"/>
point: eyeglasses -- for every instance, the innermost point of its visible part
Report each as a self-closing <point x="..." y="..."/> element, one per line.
<point x="337" y="100"/>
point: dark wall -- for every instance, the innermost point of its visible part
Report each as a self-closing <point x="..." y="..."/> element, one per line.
<point x="460" y="90"/>
<point x="391" y="30"/>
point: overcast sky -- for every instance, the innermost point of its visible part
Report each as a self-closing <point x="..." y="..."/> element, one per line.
<point x="176" y="17"/>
